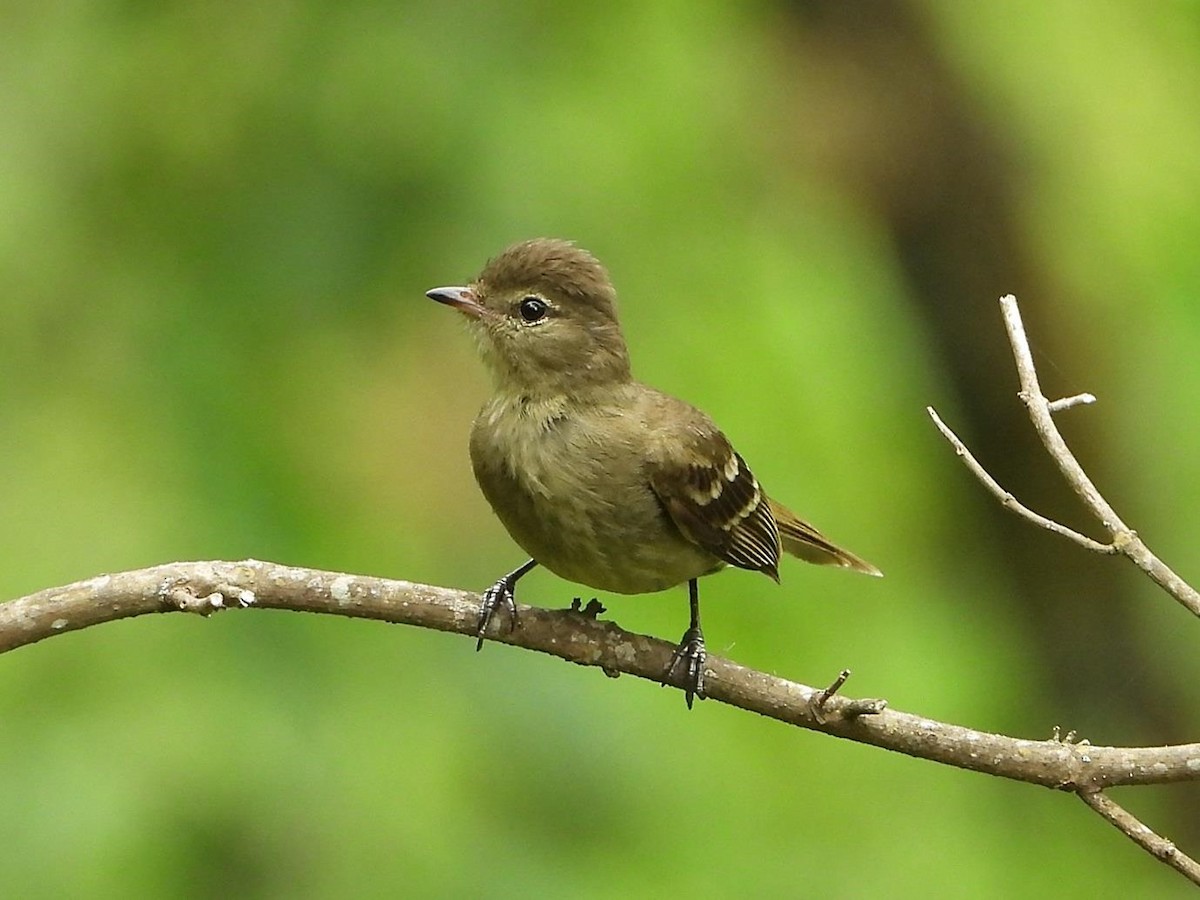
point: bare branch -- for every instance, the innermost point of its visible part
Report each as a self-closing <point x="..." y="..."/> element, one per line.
<point x="1007" y="500"/>
<point x="208" y="587"/>
<point x="1125" y="538"/>
<point x="1043" y="422"/>
<point x="1156" y="845"/>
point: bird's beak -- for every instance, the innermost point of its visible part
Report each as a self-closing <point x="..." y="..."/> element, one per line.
<point x="461" y="298"/>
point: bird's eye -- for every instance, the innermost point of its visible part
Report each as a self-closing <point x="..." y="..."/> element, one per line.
<point x="533" y="309"/>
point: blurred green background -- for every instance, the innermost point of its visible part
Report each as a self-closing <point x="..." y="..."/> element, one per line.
<point x="217" y="222"/>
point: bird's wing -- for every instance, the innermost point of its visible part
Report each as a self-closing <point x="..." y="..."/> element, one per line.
<point x="714" y="499"/>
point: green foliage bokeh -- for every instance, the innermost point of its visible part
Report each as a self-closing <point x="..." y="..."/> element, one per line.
<point x="216" y="227"/>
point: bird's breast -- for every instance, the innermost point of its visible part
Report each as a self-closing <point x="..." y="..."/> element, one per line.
<point x="570" y="487"/>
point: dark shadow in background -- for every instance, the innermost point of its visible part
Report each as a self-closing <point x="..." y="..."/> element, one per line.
<point x="888" y="118"/>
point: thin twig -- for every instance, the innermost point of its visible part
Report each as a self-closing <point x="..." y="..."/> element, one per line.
<point x="211" y="587"/>
<point x="1007" y="500"/>
<point x="1043" y="422"/>
<point x="1070" y="402"/>
<point x="1154" y="844"/>
<point x="1125" y="538"/>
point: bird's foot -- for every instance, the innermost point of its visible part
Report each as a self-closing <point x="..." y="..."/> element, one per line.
<point x="498" y="595"/>
<point x="690" y="656"/>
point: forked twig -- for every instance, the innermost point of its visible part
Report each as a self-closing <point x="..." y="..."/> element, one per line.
<point x="1007" y="500"/>
<point x="1124" y="540"/>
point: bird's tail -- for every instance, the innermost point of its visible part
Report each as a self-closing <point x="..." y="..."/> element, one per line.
<point x="801" y="539"/>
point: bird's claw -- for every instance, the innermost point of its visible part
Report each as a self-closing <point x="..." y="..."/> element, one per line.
<point x="690" y="654"/>
<point x="499" y="594"/>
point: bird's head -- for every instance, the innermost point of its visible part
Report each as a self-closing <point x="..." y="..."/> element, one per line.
<point x="544" y="314"/>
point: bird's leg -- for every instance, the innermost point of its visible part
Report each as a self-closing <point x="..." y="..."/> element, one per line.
<point x="691" y="653"/>
<point x="501" y="594"/>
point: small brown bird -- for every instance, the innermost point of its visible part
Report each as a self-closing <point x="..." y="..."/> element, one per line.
<point x="602" y="479"/>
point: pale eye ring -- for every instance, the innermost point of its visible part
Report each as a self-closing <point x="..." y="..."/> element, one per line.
<point x="533" y="309"/>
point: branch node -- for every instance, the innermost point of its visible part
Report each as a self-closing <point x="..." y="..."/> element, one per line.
<point x="1123" y="539"/>
<point x="864" y="707"/>
<point x="186" y="600"/>
<point x="1071" y="737"/>
<point x="850" y="709"/>
<point x="226" y="596"/>
<point x="823" y="697"/>
<point x="593" y="610"/>
<point x="816" y="703"/>
<point x="1069" y="402"/>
